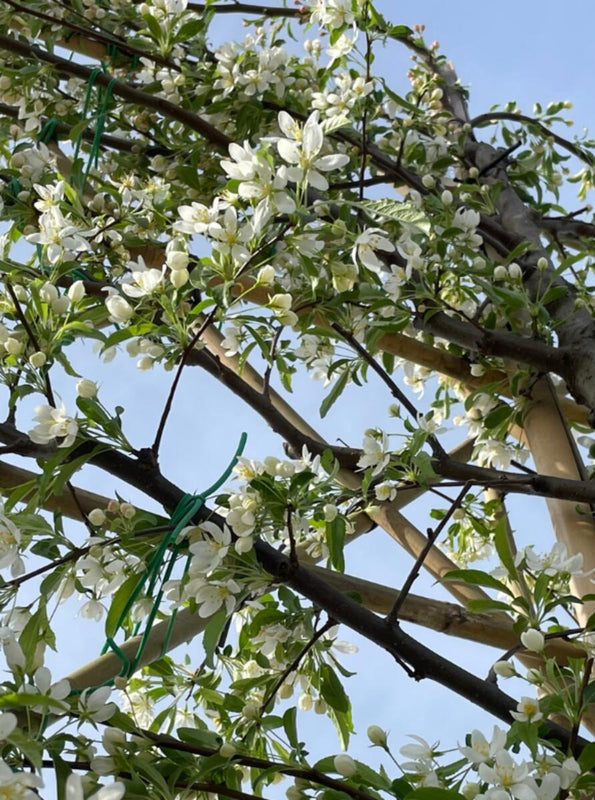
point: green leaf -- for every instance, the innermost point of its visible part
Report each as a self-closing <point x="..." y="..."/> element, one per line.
<point x="336" y="391"/>
<point x="190" y="29"/>
<point x="477" y="578"/>
<point x="502" y="544"/>
<point x="498" y="416"/>
<point x="121" y="603"/>
<point x="335" y="539"/>
<point x="587" y="757"/>
<point x="290" y="726"/>
<point x="400" y="31"/>
<point x="153" y="26"/>
<point x="332" y="690"/>
<point x="31" y="749"/>
<point x="204" y="737"/>
<point x="35" y="630"/>
<point x="212" y="634"/>
<point x="399" y="211"/>
<point x="482" y="604"/>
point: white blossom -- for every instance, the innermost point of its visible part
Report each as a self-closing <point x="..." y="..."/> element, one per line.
<point x="302" y="149"/>
<point x="10" y="539"/>
<point x="480" y="750"/>
<point x="142" y="280"/>
<point x="376" y="452"/>
<point x="74" y="790"/>
<point x="345" y="765"/>
<point x="366" y="245"/>
<point x="53" y="423"/>
<point x="210" y="551"/>
<point x="211" y="596"/>
<point x="119" y="309"/>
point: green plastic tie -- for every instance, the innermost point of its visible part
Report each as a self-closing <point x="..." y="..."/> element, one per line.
<point x="48" y="130"/>
<point x="157" y="571"/>
<point x="92" y="77"/>
<point x="14" y="187"/>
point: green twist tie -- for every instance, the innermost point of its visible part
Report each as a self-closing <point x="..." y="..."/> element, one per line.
<point x="14" y="187"/>
<point x="158" y="572"/>
<point x="48" y="130"/>
<point x="103" y="100"/>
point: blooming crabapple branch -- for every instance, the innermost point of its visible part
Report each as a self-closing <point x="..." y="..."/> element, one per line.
<point x="444" y="465"/>
<point x="89" y="135"/>
<point x="32" y="338"/>
<point x="424" y="662"/>
<point x="446" y="363"/>
<point x="166" y="742"/>
<point x="292" y="667"/>
<point x="119" y="88"/>
<point x="198" y="786"/>
<point x="520" y="647"/>
<point x="77" y="552"/>
<point x="248" y="8"/>
<point x="187" y="352"/>
<point x="532" y="352"/>
<point x="89" y="33"/>
<point x="495" y="116"/>
<point x="393" y="616"/>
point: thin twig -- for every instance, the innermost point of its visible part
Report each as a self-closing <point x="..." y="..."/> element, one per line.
<point x="170" y="398"/>
<point x="77" y="552"/>
<point x="393" y="615"/>
<point x="385" y="377"/>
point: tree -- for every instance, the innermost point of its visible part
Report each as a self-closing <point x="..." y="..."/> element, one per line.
<point x="246" y="212"/>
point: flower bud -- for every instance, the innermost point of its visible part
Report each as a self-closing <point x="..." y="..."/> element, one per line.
<point x="119" y="309"/>
<point x="504" y="669"/>
<point x="179" y="278"/>
<point x="76" y="292"/>
<point x="86" y="388"/>
<point x="428" y="181"/>
<point x="48" y="293"/>
<point x="320" y="706"/>
<point x="514" y="271"/>
<point x="14" y="347"/>
<point x="446" y="197"/>
<point x="542" y="263"/>
<point x="330" y="512"/>
<point x="145" y="363"/>
<point x="533" y="640"/>
<point x="227" y="750"/>
<point x="127" y="510"/>
<point x="266" y="275"/>
<point x="60" y="304"/>
<point x="177" y="259"/>
<point x="345" y="765"/>
<point x="37" y="359"/>
<point x="500" y="273"/>
<point x="96" y="516"/>
<point x="376" y="735"/>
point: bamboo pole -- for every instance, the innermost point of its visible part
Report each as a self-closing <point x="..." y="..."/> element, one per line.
<point x="494" y="630"/>
<point x="555" y="453"/>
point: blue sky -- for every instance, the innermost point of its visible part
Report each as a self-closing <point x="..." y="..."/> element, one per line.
<point x="523" y="51"/>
